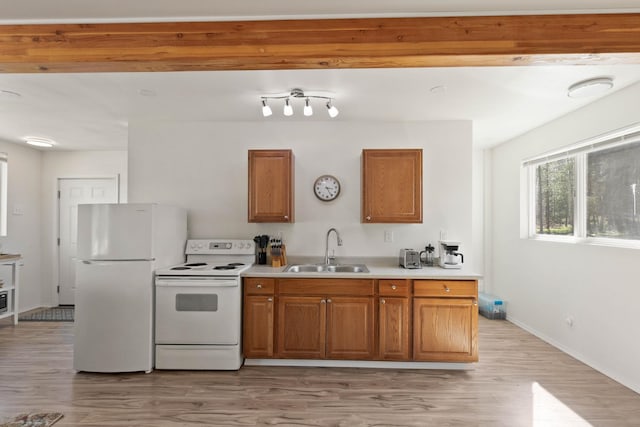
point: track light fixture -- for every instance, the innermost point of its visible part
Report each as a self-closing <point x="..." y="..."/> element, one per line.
<point x="296" y="93"/>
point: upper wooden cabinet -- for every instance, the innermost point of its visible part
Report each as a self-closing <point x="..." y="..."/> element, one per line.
<point x="271" y="186"/>
<point x="392" y="186"/>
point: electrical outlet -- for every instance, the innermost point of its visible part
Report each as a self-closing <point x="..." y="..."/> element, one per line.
<point x="443" y="235"/>
<point x="388" y="236"/>
<point x="18" y="210"/>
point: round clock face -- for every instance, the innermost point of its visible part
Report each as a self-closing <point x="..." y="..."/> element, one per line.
<point x="326" y="188"/>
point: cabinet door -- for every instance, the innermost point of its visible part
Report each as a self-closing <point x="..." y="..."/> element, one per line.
<point x="392" y="186"/>
<point x="350" y="328"/>
<point x="394" y="328"/>
<point x="270" y="186"/>
<point x="258" y="326"/>
<point x="445" y="329"/>
<point x="302" y="323"/>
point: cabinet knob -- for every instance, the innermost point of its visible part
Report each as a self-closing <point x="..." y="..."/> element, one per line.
<point x="328" y="300"/>
<point x="259" y="286"/>
<point x="323" y="301"/>
<point x="475" y="302"/>
<point x="286" y="217"/>
<point x="382" y="301"/>
<point x="270" y="299"/>
<point x="446" y="289"/>
<point x="368" y="218"/>
<point x="394" y="287"/>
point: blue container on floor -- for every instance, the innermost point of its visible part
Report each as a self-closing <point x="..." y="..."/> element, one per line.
<point x="491" y="306"/>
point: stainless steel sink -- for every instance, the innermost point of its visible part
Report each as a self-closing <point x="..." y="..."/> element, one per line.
<point x="304" y="268"/>
<point x="323" y="268"/>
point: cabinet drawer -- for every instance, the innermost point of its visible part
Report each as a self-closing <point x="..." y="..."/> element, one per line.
<point x="445" y="288"/>
<point x="394" y="288"/>
<point x="326" y="287"/>
<point x="259" y="286"/>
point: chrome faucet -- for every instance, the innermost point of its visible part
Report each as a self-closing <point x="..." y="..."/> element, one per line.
<point x="328" y="260"/>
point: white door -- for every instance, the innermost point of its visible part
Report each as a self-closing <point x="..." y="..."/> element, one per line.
<point x="72" y="192"/>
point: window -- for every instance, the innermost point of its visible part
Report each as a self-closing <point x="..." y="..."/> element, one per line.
<point x="555" y="197"/>
<point x="589" y="191"/>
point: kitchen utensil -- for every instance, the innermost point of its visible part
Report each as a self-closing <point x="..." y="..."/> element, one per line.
<point x="449" y="255"/>
<point x="409" y="258"/>
<point x="426" y="256"/>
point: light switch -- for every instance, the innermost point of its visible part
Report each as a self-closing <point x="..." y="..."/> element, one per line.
<point x="388" y="236"/>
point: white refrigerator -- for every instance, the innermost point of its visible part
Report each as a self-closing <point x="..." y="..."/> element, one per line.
<point x="119" y="247"/>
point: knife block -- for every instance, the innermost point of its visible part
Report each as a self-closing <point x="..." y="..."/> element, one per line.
<point x="279" y="257"/>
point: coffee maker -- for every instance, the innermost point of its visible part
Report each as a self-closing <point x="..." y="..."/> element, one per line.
<point x="449" y="255"/>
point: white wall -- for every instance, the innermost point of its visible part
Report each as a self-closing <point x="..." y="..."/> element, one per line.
<point x="544" y="282"/>
<point x="70" y="164"/>
<point x="203" y="166"/>
<point x="24" y="234"/>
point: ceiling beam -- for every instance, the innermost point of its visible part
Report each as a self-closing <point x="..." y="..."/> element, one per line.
<point x="322" y="43"/>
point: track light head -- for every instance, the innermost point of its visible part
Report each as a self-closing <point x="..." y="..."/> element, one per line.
<point x="332" y="110"/>
<point x="266" y="110"/>
<point x="308" y="111"/>
<point x="288" y="109"/>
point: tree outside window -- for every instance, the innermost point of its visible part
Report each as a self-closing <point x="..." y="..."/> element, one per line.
<point x="613" y="187"/>
<point x="555" y="197"/>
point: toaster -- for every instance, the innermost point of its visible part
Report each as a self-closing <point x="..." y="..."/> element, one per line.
<point x="409" y="258"/>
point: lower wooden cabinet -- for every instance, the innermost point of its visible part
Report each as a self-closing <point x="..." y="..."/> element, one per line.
<point x="394" y="335"/>
<point x="350" y="328"/>
<point x="321" y="327"/>
<point x="258" y="317"/>
<point x="302" y="323"/>
<point x="257" y="339"/>
<point x="355" y="319"/>
<point x="445" y="320"/>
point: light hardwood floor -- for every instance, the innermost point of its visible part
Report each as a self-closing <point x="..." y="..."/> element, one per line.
<point x="519" y="381"/>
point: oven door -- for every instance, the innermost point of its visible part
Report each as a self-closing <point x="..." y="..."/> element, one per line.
<point x="198" y="310"/>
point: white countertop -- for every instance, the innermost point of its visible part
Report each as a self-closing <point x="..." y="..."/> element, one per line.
<point x="379" y="268"/>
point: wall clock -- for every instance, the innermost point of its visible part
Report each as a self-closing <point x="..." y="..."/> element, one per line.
<point x="326" y="188"/>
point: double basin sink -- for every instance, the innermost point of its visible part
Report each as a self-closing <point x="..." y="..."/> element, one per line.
<point x="324" y="268"/>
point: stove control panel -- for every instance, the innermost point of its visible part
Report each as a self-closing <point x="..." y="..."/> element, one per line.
<point x="220" y="247"/>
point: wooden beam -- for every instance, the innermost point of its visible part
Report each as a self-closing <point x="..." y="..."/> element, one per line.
<point x="318" y="44"/>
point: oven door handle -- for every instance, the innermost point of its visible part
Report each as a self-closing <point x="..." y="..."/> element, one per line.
<point x="192" y="282"/>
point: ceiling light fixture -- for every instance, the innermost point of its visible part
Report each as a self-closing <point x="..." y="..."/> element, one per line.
<point x="266" y="110"/>
<point x="296" y="93"/>
<point x="590" y="87"/>
<point x="39" y="142"/>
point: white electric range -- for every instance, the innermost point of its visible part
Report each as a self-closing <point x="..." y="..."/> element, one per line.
<point x="198" y="316"/>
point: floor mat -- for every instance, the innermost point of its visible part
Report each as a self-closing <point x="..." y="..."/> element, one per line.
<point x="41" y="419"/>
<point x="52" y="314"/>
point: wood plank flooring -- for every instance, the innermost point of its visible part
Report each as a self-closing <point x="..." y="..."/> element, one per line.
<point x="519" y="381"/>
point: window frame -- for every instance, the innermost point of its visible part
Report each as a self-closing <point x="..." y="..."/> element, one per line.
<point x="579" y="152"/>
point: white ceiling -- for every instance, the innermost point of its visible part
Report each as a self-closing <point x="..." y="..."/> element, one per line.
<point x="92" y="111"/>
